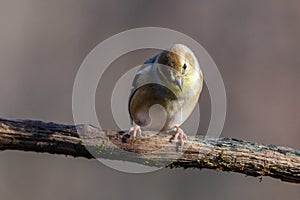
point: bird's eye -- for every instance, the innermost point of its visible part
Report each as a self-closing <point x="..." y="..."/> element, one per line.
<point x="184" y="66"/>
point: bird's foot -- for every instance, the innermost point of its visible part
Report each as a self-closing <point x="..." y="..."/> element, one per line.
<point x="181" y="135"/>
<point x="135" y="131"/>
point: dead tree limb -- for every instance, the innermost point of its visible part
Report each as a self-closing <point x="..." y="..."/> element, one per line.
<point x="220" y="154"/>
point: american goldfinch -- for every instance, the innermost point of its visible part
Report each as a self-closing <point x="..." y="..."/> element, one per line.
<point x="172" y="79"/>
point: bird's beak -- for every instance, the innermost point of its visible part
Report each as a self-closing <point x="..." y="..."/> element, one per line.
<point x="179" y="82"/>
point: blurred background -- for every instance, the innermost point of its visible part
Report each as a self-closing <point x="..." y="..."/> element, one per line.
<point x="254" y="43"/>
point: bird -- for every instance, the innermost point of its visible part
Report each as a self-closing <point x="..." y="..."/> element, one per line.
<point x="171" y="79"/>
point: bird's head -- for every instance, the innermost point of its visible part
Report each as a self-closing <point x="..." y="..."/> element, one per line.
<point x="182" y="66"/>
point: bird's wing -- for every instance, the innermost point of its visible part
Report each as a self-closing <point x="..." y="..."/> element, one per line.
<point x="142" y="76"/>
<point x="151" y="60"/>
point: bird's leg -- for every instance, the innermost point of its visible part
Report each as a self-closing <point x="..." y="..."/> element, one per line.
<point x="135" y="131"/>
<point x="180" y="134"/>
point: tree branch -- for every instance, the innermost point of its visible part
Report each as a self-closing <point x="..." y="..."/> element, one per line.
<point x="221" y="154"/>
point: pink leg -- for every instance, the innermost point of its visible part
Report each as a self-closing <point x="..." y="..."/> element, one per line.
<point x="135" y="131"/>
<point x="181" y="135"/>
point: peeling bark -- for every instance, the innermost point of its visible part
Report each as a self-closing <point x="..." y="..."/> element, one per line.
<point x="222" y="154"/>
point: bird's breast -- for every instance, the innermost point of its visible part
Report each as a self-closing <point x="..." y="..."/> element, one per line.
<point x="172" y="109"/>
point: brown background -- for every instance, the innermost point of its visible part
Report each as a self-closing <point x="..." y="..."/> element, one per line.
<point x="254" y="43"/>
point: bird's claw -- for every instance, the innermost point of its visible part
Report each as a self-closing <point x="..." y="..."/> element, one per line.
<point x="181" y="135"/>
<point x="135" y="131"/>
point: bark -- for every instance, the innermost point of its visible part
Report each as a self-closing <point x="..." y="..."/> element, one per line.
<point x="157" y="150"/>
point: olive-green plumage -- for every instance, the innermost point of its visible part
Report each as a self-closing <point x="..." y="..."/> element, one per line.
<point x="172" y="79"/>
